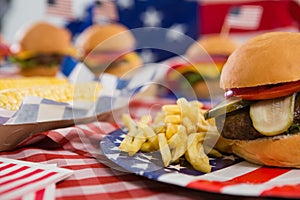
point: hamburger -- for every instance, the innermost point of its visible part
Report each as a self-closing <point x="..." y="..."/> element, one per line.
<point x="206" y="58"/>
<point x="214" y="45"/>
<point x="108" y="48"/>
<point x="259" y="119"/>
<point x="40" y="48"/>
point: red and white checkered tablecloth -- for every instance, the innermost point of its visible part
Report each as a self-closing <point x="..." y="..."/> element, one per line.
<point x="94" y="177"/>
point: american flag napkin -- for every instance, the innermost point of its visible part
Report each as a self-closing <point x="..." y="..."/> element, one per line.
<point x="20" y="178"/>
<point x="47" y="193"/>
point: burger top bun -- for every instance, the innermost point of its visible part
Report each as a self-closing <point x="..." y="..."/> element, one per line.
<point x="281" y="151"/>
<point x="269" y="58"/>
<point x="43" y="37"/>
<point x="106" y="37"/>
<point x="213" y="45"/>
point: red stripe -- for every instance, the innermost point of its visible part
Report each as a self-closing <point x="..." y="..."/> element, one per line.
<point x="22" y="177"/>
<point x="30" y="182"/>
<point x="61" y="9"/>
<point x="258" y="176"/>
<point x="39" y="195"/>
<point x="48" y="157"/>
<point x="286" y="191"/>
<point x="62" y="14"/>
<point x="83" y="166"/>
<point x="14" y="171"/>
<point x="128" y="194"/>
<point x="99" y="180"/>
<point x="7" y="166"/>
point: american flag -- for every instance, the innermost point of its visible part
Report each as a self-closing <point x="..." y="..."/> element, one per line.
<point x="244" y="17"/>
<point x="27" y="179"/>
<point x="105" y="11"/>
<point x="62" y="8"/>
<point x="173" y="29"/>
<point x="193" y="19"/>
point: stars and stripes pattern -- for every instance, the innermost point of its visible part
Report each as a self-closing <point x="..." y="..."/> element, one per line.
<point x="244" y="17"/>
<point x="176" y="25"/>
<point x="230" y="175"/>
<point x="18" y="178"/>
<point x="62" y="8"/>
<point x="105" y="11"/>
<point x="249" y="180"/>
<point x="186" y="18"/>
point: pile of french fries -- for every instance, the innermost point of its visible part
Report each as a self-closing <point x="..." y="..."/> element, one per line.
<point x="177" y="131"/>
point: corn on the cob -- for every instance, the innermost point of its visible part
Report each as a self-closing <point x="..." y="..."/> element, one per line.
<point x="7" y="83"/>
<point x="11" y="99"/>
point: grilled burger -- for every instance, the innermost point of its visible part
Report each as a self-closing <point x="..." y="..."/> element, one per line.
<point x="259" y="120"/>
<point x="218" y="48"/>
<point x="40" y="49"/>
<point x="108" y="48"/>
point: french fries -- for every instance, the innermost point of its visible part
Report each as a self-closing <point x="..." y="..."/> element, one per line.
<point x="195" y="152"/>
<point x="178" y="130"/>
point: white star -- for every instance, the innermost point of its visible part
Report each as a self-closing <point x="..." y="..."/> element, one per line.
<point x="151" y="17"/>
<point x="176" y="32"/>
<point x="231" y="157"/>
<point x="140" y="166"/>
<point x="142" y="159"/>
<point x="176" y="167"/>
<point x="147" y="56"/>
<point x="125" y="4"/>
<point x="113" y="156"/>
<point x="118" y="141"/>
<point x="115" y="148"/>
<point x="147" y="156"/>
<point x="141" y="173"/>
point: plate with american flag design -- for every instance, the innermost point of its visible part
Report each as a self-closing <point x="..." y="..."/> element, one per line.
<point x="230" y="174"/>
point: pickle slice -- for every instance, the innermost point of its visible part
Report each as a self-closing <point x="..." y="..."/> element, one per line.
<point x="273" y="116"/>
<point x="228" y="105"/>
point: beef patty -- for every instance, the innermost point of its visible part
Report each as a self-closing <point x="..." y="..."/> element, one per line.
<point x="238" y="124"/>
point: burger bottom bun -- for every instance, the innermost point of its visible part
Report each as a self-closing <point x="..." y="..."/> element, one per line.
<point x="279" y="151"/>
<point x="40" y="70"/>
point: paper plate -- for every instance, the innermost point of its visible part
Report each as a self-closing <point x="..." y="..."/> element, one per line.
<point x="230" y="174"/>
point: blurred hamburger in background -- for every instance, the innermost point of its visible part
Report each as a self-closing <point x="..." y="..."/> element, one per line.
<point x="40" y="48"/>
<point x="259" y="120"/>
<point x="218" y="46"/>
<point x="205" y="59"/>
<point x="108" y="48"/>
